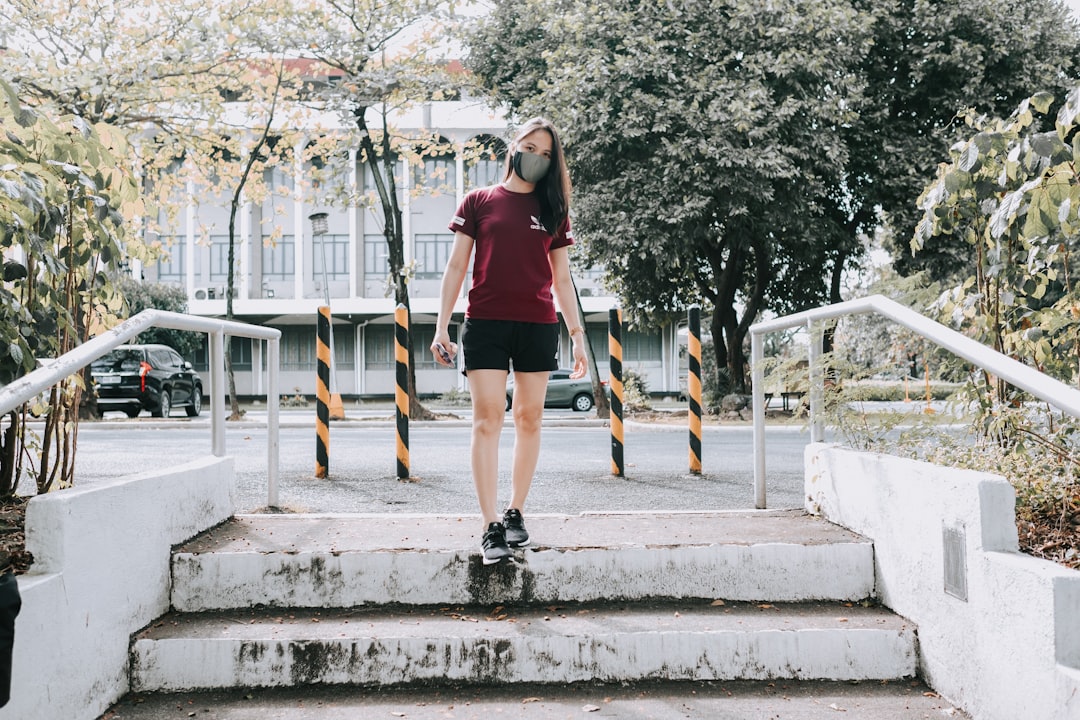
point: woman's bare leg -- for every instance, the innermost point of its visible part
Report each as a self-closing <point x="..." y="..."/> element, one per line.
<point x="488" y="390"/>
<point x="529" y="391"/>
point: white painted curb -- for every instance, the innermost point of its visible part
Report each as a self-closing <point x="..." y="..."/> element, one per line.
<point x="1011" y="649"/>
<point x="101" y="573"/>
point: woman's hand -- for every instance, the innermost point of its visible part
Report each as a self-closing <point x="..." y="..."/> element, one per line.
<point x="444" y="350"/>
<point x="581" y="360"/>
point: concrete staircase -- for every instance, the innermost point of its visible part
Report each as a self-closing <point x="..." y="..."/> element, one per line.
<point x="280" y="601"/>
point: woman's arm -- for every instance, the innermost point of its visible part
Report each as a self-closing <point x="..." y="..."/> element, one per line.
<point x="563" y="287"/>
<point x="457" y="265"/>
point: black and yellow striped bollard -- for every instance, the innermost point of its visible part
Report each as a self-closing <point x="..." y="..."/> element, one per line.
<point x="322" y="395"/>
<point x="401" y="392"/>
<point x="615" y="382"/>
<point x="693" y="386"/>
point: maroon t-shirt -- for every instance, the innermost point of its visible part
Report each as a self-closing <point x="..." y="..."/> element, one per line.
<point x="511" y="273"/>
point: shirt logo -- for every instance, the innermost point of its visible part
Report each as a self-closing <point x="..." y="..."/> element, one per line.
<point x="536" y="224"/>
<point x="458" y="220"/>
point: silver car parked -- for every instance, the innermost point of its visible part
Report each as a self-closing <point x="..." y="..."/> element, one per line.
<point x="562" y="392"/>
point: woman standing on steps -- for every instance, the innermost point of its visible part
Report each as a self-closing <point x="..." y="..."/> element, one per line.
<point x="519" y="231"/>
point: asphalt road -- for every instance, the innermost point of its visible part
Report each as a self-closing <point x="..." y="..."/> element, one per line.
<point x="574" y="472"/>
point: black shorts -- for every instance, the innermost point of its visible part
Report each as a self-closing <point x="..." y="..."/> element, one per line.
<point x="496" y="344"/>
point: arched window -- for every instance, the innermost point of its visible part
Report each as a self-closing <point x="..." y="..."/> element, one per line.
<point x="485" y="161"/>
<point x="437" y="173"/>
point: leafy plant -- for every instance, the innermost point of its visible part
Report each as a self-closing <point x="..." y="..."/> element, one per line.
<point x="635" y="391"/>
<point x="64" y="203"/>
<point x="455" y="396"/>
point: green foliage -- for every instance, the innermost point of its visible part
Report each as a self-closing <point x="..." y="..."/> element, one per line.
<point x="731" y="153"/>
<point x="64" y="202"/>
<point x="715" y="381"/>
<point x="1011" y="192"/>
<point x="697" y="135"/>
<point x="139" y="296"/>
<point x="929" y="61"/>
<point x="635" y="391"/>
<point x="295" y="400"/>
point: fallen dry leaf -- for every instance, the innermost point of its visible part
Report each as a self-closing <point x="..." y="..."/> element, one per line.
<point x="718" y="603"/>
<point x="590" y="708"/>
<point x="530" y="700"/>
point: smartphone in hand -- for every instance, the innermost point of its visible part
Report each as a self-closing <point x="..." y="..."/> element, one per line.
<point x="444" y="354"/>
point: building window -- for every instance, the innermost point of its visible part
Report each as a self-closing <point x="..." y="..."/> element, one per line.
<point x="483" y="173"/>
<point x="335" y="250"/>
<point x="298" y="348"/>
<point x="279" y="181"/>
<point x="379" y="347"/>
<point x="641" y="347"/>
<point x="637" y="347"/>
<point x="369" y="176"/>
<point x="344" y="347"/>
<point x="219" y="257"/>
<point x="376" y="257"/>
<point x="239" y="351"/>
<point x="432" y="252"/>
<point x="278" y="261"/>
<point x="438" y="174"/>
<point x="489" y="165"/>
<point x="170" y="266"/>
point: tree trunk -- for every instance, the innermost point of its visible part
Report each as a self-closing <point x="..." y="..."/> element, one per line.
<point x="835" y="276"/>
<point x="753" y="306"/>
<point x="8" y="443"/>
<point x="393" y="231"/>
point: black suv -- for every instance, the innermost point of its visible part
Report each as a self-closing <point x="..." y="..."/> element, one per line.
<point x="151" y="377"/>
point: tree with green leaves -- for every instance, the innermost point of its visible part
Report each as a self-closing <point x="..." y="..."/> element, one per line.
<point x="763" y="143"/>
<point x="1010" y="193"/>
<point x="197" y="82"/>
<point x="701" y="137"/>
<point x="929" y="62"/>
<point x="139" y="296"/>
<point x="378" y="58"/>
<point x="66" y="202"/>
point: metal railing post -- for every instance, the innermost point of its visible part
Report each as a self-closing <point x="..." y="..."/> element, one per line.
<point x="817" y="380"/>
<point x="757" y="369"/>
<point x="273" y="403"/>
<point x="217" y="392"/>
<point x="26" y="387"/>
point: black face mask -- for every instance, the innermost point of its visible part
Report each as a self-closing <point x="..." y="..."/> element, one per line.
<point x="530" y="167"/>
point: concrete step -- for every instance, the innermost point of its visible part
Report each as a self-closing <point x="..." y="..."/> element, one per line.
<point x="685" y="640"/>
<point x="719" y="700"/>
<point x="354" y="560"/>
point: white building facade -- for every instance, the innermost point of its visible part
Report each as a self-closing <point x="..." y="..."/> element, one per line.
<point x="283" y="272"/>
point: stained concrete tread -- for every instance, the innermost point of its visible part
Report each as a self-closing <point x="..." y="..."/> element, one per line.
<point x="571" y="619"/>
<point x="714" y="700"/>
<point x="436" y="533"/>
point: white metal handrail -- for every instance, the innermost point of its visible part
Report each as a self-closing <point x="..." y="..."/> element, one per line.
<point x="1042" y="386"/>
<point x="28" y="386"/>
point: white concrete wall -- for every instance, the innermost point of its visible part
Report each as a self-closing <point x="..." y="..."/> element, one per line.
<point x="101" y="572"/>
<point x="1012" y="648"/>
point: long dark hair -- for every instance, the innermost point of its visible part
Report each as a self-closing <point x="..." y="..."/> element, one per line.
<point x="553" y="190"/>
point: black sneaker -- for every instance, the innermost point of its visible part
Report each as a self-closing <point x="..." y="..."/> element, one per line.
<point x="516" y="534"/>
<point x="494" y="542"/>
